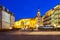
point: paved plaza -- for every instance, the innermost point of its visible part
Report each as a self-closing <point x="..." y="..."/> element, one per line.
<point x="19" y="35"/>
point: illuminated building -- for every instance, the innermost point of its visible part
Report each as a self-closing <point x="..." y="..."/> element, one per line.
<point x="17" y="24"/>
<point x="6" y="18"/>
<point x="52" y="17"/>
<point x="55" y="17"/>
<point x="38" y="18"/>
<point x="41" y="21"/>
<point x="30" y="22"/>
<point x="12" y="19"/>
<point x="24" y="23"/>
<point x="33" y="22"/>
<point x="47" y="18"/>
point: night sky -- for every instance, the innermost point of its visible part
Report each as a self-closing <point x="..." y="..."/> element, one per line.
<point x="28" y="8"/>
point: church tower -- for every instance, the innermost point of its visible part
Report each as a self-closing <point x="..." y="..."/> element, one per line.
<point x="38" y="17"/>
<point x="38" y="13"/>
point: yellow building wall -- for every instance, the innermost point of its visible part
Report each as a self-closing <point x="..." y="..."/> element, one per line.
<point x="49" y="12"/>
<point x="16" y="25"/>
<point x="41" y="22"/>
<point x="33" y="22"/>
<point x="27" y="22"/>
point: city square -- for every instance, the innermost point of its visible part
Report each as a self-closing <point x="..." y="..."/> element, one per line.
<point x="29" y="20"/>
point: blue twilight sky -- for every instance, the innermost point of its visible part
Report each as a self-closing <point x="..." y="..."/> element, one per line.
<point x="28" y="8"/>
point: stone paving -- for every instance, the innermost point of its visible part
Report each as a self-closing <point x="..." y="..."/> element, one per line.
<point x="21" y="36"/>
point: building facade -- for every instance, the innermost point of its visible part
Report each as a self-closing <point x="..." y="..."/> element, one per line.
<point x="5" y="18"/>
<point x="38" y="18"/>
<point x="55" y="17"/>
<point x="30" y="22"/>
<point x="12" y="19"/>
<point x="52" y="17"/>
<point x="47" y="18"/>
